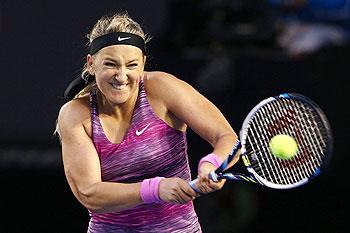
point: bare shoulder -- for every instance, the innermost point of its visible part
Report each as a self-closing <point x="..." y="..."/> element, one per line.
<point x="154" y="77"/>
<point x="164" y="91"/>
<point x="74" y="113"/>
<point x="162" y="84"/>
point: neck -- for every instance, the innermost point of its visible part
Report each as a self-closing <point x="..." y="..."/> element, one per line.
<point x="118" y="111"/>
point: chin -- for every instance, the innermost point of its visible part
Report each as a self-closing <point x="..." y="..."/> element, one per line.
<point x="119" y="99"/>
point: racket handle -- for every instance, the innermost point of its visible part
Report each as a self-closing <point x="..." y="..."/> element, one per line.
<point x="193" y="185"/>
<point x="212" y="176"/>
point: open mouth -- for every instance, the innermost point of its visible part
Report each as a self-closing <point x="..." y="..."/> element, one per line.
<point x="118" y="86"/>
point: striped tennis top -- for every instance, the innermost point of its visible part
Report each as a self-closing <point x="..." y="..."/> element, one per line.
<point x="150" y="148"/>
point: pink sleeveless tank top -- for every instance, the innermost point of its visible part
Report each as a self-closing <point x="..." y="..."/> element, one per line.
<point x="150" y="148"/>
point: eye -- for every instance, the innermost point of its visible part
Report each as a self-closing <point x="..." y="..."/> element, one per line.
<point x="132" y="65"/>
<point x="111" y="64"/>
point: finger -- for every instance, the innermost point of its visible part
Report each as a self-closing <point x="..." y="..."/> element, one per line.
<point x="189" y="190"/>
<point x="211" y="185"/>
<point x="180" y="195"/>
<point x="204" y="186"/>
<point x="187" y="193"/>
<point x="216" y="185"/>
<point x="205" y="181"/>
<point x="175" y="201"/>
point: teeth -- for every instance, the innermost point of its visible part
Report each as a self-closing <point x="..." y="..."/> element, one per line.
<point x="118" y="86"/>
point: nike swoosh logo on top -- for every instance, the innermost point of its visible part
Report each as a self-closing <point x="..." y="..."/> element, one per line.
<point x="139" y="132"/>
<point x="123" y="38"/>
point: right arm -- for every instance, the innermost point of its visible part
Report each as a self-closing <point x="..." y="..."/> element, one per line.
<point x="83" y="171"/>
<point x="82" y="165"/>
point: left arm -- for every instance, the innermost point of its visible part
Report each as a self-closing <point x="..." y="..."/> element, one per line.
<point x="202" y="116"/>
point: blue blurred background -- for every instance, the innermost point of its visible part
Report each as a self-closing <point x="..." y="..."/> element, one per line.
<point x="236" y="52"/>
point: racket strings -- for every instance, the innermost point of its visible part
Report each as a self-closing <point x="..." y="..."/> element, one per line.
<point x="307" y="159"/>
<point x="286" y="116"/>
<point x="265" y="165"/>
<point x="301" y="170"/>
<point x="313" y="140"/>
<point x="271" y="167"/>
<point x="260" y="167"/>
<point x="285" y="111"/>
<point x="279" y="127"/>
<point x="306" y="138"/>
<point x="302" y="167"/>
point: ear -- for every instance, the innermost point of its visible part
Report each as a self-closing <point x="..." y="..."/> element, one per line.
<point x="90" y="64"/>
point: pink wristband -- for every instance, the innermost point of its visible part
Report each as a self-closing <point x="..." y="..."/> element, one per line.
<point x="150" y="190"/>
<point x="210" y="158"/>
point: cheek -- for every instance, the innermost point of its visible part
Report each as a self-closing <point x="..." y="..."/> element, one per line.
<point x="101" y="79"/>
<point x="103" y="76"/>
<point x="107" y="73"/>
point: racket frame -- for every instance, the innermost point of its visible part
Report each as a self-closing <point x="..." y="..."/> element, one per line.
<point x="253" y="176"/>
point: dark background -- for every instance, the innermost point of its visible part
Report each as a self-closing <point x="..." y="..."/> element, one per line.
<point x="226" y="50"/>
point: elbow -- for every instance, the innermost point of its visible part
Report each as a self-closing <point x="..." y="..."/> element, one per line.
<point x="96" y="205"/>
<point x="92" y="206"/>
<point x="95" y="210"/>
<point x="90" y="201"/>
<point x="230" y="137"/>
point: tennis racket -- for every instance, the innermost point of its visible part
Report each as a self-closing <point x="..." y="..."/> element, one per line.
<point x="291" y="114"/>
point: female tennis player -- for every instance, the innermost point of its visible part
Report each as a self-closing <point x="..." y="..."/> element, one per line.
<point x="123" y="137"/>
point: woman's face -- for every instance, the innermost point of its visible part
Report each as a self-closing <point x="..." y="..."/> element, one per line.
<point x="118" y="70"/>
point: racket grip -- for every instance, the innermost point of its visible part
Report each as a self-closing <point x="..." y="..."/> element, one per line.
<point x="193" y="185"/>
<point x="212" y="176"/>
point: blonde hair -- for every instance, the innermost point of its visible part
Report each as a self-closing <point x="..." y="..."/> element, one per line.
<point x="119" y="22"/>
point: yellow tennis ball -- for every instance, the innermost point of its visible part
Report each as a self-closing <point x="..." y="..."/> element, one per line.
<point x="283" y="146"/>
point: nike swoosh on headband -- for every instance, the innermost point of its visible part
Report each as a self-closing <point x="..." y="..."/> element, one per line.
<point x="123" y="38"/>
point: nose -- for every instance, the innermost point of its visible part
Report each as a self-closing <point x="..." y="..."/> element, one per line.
<point x="120" y="74"/>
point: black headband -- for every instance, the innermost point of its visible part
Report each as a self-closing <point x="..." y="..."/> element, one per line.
<point x="116" y="38"/>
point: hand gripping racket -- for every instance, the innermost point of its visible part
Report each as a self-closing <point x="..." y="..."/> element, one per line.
<point x="291" y="114"/>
